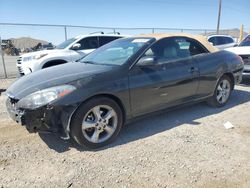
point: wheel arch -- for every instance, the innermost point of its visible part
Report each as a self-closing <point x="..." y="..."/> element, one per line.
<point x="230" y="75"/>
<point x="111" y="96"/>
<point x="54" y="62"/>
<point x="116" y="99"/>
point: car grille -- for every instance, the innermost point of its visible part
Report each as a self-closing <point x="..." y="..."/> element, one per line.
<point x="20" y="70"/>
<point x="246" y="59"/>
<point x="19" y="60"/>
<point x="19" y="66"/>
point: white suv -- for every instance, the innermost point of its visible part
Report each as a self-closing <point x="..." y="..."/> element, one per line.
<point x="222" y="41"/>
<point x="243" y="50"/>
<point x="70" y="50"/>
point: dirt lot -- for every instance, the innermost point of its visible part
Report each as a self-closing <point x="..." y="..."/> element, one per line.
<point x="188" y="147"/>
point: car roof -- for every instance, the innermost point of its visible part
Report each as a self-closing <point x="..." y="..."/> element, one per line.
<point x="219" y="36"/>
<point x="199" y="38"/>
<point x="100" y="34"/>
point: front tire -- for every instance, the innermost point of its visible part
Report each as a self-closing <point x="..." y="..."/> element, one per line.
<point x="222" y="92"/>
<point x="96" y="123"/>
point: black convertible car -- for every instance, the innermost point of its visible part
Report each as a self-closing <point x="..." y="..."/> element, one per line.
<point x="90" y="100"/>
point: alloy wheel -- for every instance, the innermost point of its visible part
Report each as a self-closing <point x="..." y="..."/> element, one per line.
<point x="99" y="123"/>
<point x="223" y="91"/>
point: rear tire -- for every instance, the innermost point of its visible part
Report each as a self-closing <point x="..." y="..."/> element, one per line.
<point x="96" y="123"/>
<point x="222" y="92"/>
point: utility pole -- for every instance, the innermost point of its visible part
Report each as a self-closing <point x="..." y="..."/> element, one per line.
<point x="4" y="67"/>
<point x="218" y="22"/>
<point x="65" y="33"/>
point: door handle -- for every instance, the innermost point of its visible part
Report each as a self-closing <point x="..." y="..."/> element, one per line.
<point x="193" y="70"/>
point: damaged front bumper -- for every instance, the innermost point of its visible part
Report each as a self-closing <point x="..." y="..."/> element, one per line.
<point x="47" y="119"/>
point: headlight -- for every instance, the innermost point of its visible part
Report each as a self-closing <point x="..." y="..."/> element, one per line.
<point x="44" y="97"/>
<point x="40" y="56"/>
<point x="29" y="58"/>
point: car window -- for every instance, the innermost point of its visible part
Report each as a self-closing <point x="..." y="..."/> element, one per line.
<point x="212" y="40"/>
<point x="66" y="43"/>
<point x="220" y="40"/>
<point x="118" y="52"/>
<point x="106" y="39"/>
<point x="228" y="40"/>
<point x="171" y="49"/>
<point x="88" y="43"/>
<point x="246" y="41"/>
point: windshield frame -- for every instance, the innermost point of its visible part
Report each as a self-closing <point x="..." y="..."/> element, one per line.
<point x="149" y="41"/>
<point x="66" y="43"/>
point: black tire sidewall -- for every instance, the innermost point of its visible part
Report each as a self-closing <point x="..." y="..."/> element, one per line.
<point x="76" y="123"/>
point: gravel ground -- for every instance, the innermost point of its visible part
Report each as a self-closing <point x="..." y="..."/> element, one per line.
<point x="188" y="147"/>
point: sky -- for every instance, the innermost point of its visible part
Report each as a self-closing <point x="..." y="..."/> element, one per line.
<point x="193" y="14"/>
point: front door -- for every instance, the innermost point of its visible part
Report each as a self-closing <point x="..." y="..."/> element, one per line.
<point x="171" y="80"/>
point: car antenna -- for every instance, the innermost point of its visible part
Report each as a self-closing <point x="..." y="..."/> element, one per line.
<point x="118" y="33"/>
<point x="97" y="32"/>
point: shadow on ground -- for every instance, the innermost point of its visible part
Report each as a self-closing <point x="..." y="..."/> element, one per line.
<point x="155" y="123"/>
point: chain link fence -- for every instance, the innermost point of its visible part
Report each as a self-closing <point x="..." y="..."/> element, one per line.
<point x="17" y="39"/>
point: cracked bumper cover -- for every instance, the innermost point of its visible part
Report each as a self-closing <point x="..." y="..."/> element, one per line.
<point x="51" y="119"/>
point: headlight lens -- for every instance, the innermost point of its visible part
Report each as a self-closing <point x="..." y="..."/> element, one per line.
<point x="29" y="58"/>
<point x="44" y="97"/>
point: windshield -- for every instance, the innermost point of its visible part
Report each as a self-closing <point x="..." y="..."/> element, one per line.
<point x="66" y="43"/>
<point x="245" y="42"/>
<point x="116" y="52"/>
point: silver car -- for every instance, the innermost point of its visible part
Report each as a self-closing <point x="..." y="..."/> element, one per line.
<point x="222" y="41"/>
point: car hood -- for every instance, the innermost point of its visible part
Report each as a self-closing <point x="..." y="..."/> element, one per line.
<point x="40" y="52"/>
<point x="53" y="76"/>
<point x="240" y="50"/>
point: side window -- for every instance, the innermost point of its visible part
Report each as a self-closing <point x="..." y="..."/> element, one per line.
<point x="104" y="40"/>
<point x="221" y="40"/>
<point x="195" y="48"/>
<point x="172" y="49"/>
<point x="164" y="50"/>
<point x="229" y="40"/>
<point x="89" y="43"/>
<point x="212" y="40"/>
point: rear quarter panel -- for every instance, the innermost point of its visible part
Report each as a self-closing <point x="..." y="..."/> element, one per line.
<point x="212" y="66"/>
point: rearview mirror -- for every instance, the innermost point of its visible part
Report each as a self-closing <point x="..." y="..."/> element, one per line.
<point x="76" y="46"/>
<point x="147" y="60"/>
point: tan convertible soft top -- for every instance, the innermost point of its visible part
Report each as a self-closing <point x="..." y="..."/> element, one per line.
<point x="199" y="38"/>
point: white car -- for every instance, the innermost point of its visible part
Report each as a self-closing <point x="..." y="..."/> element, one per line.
<point x="70" y="50"/>
<point x="222" y="41"/>
<point x="243" y="50"/>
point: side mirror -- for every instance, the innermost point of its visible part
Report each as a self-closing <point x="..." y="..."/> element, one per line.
<point x="211" y="43"/>
<point x="147" y="61"/>
<point x="76" y="46"/>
